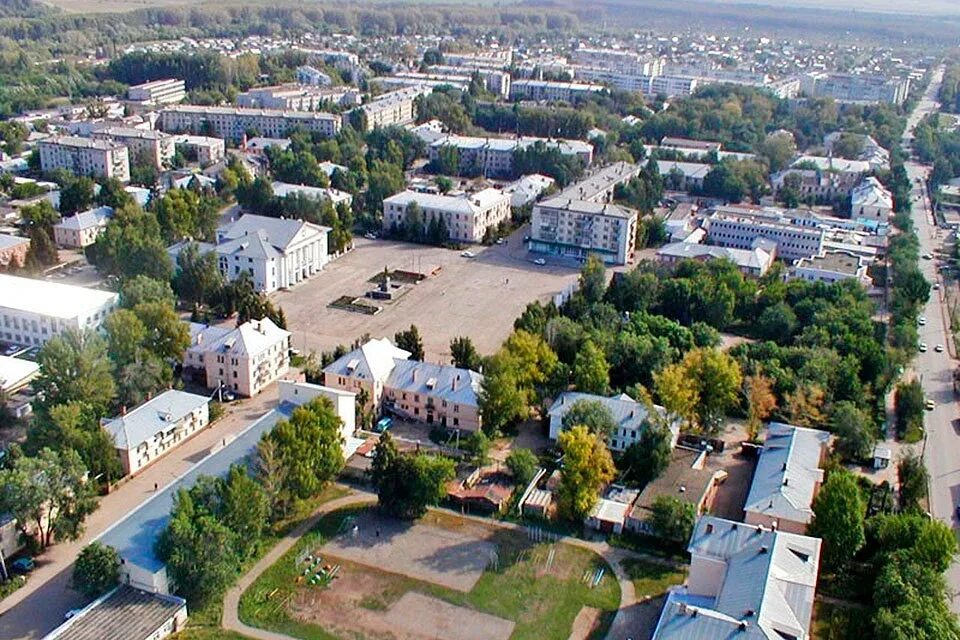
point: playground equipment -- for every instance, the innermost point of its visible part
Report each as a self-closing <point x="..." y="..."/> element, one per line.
<point x="550" y="558"/>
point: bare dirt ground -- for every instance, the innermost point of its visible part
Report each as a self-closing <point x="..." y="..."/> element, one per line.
<point x="454" y="559"/>
<point x="585" y="622"/>
<point x="478" y="297"/>
<point x="415" y="612"/>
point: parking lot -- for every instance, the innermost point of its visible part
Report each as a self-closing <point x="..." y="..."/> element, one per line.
<point x="479" y="297"/>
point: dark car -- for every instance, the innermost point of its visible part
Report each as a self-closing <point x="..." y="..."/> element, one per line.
<point x="22" y="565"/>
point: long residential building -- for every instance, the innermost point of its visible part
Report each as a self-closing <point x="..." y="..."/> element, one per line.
<point x="393" y="108"/>
<point x="739" y="227"/>
<point x="233" y="123"/>
<point x="293" y="97"/>
<point x="845" y="87"/>
<point x="125" y="612"/>
<point x="420" y="391"/>
<point x="167" y="91"/>
<point x="244" y="360"/>
<point x="493" y="157"/>
<point x="496" y="82"/>
<point x="145" y="146"/>
<point x="33" y="311"/>
<point x="582" y="220"/>
<point x="467" y="217"/>
<point x="546" y="90"/>
<point x="746" y="582"/>
<point x="85" y="157"/>
<point x="156" y="427"/>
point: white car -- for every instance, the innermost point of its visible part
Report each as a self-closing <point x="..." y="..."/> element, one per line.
<point x="540" y="262"/>
<point x="922" y="320"/>
<point x="927" y="256"/>
<point x="467" y="254"/>
<point x="930" y="405"/>
<point x="936" y="286"/>
<point x="923" y="347"/>
<point x="938" y="348"/>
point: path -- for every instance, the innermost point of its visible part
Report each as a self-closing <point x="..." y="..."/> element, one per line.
<point x="624" y="626"/>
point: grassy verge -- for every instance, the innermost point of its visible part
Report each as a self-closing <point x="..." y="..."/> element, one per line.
<point x="542" y="601"/>
<point x="652" y="578"/>
<point x="208" y="634"/>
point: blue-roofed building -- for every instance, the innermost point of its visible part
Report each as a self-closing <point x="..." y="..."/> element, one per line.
<point x="631" y="417"/>
<point x="787" y="478"/>
<point x="746" y="581"/>
<point x="81" y="230"/>
<point x="156" y="427"/>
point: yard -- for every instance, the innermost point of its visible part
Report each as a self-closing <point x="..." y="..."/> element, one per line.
<point x="442" y="577"/>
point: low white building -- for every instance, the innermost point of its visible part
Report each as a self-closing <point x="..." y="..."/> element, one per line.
<point x="82" y="229"/>
<point x="168" y="91"/>
<point x="320" y="194"/>
<point x="244" y="360"/>
<point x="156" y="427"/>
<point x="545" y="90"/>
<point x="203" y="149"/>
<point x="344" y="402"/>
<point x="871" y="200"/>
<point x="631" y="417"/>
<point x="528" y="189"/>
<point x="467" y="217"/>
<point x="831" y="267"/>
<point x="751" y="262"/>
<point x="33" y="311"/>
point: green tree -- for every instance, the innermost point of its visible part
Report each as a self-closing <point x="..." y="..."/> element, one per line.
<point x="97" y="570"/>
<point x="407" y="485"/>
<point x="856" y="434"/>
<point x="523" y="464"/>
<point x="646" y="459"/>
<point x="310" y="447"/>
<point x="74" y="367"/>
<point x="125" y="336"/>
<point x="501" y="400"/>
<point x="477" y="445"/>
<point x="463" y="354"/>
<point x="593" y="415"/>
<point x="145" y="289"/>
<point x="914" y="479"/>
<point x="48" y="493"/>
<point x="591" y="373"/>
<point x="167" y="337"/>
<point x="672" y="518"/>
<point x="717" y="378"/>
<point x="271" y="474"/>
<point x="77" y="195"/>
<point x="677" y="395"/>
<point x="245" y="509"/>
<point x="593" y="280"/>
<point x="587" y="467"/>
<point x="838" y="512"/>
<point x="75" y="426"/>
<point x="411" y="341"/>
<point x="198" y="279"/>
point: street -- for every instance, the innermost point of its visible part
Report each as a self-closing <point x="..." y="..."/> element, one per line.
<point x="942" y="442"/>
<point x="39" y="606"/>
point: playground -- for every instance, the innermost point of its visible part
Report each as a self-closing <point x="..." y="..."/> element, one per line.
<point x="442" y="577"/>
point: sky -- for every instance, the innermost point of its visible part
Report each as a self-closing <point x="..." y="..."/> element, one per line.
<point x="941" y="7"/>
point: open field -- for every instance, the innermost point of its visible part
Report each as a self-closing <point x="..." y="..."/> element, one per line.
<point x="533" y="591"/>
<point x="478" y="297"/>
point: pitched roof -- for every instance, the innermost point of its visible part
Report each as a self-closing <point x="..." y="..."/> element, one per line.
<point x="152" y="417"/>
<point x="124" y="612"/>
<point x="627" y="412"/>
<point x="787" y="473"/>
<point x="374" y="360"/>
<point x="460" y="386"/>
<point x="248" y="339"/>
<point x="748" y="258"/>
<point x="766" y="591"/>
<point x="279" y="232"/>
<point x="88" y="219"/>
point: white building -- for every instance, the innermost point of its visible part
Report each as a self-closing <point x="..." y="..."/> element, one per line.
<point x="750" y="262"/>
<point x="85" y="157"/>
<point x="276" y="253"/>
<point x="831" y="267"/>
<point x="495" y="81"/>
<point x="745" y="582"/>
<point x="292" y="97"/>
<point x="630" y="416"/>
<point x="394" y="107"/>
<point x="144" y="146"/>
<point x="128" y="613"/>
<point x="245" y="359"/>
<point x="581" y="220"/>
<point x="545" y="90"/>
<point x="203" y="149"/>
<point x="493" y="157"/>
<point x="233" y="123"/>
<point x="158" y="92"/>
<point x="683" y="176"/>
<point x="467" y="217"/>
<point x="320" y="194"/>
<point x="871" y="200"/>
<point x="33" y="311"/>
<point x="156" y="427"/>
<point x="82" y="229"/>
<point x="527" y="189"/>
<point x="845" y="87"/>
<point x="344" y="402"/>
<point x="739" y="227"/>
<point x="312" y="76"/>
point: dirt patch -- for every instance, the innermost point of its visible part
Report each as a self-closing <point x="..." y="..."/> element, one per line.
<point x="586" y="621"/>
<point x="423" y="616"/>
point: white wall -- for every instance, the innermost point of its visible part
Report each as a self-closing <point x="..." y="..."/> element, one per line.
<point x="344" y="402"/>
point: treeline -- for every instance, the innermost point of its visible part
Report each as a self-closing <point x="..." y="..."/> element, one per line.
<point x="935" y="144"/>
<point x="949" y="96"/>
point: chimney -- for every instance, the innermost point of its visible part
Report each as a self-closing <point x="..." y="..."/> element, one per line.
<point x="786" y="481"/>
<point x="763" y="550"/>
<point x="123" y="410"/>
<point x="709" y="528"/>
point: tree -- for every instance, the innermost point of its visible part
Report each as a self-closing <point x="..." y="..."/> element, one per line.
<point x="125" y="336"/>
<point x="856" y="435"/>
<point x="761" y="402"/>
<point x="477" y="444"/>
<point x="838" y="513"/>
<point x="245" y="509"/>
<point x="75" y="426"/>
<point x="463" y="354"/>
<point x="523" y="464"/>
<point x="49" y="493"/>
<point x="411" y="341"/>
<point x="646" y="459"/>
<point x="587" y="467"/>
<point x="672" y="518"/>
<point x="591" y="373"/>
<point x="74" y="366"/>
<point x="143" y="288"/>
<point x="272" y="477"/>
<point x="502" y="401"/>
<point x="804" y="406"/>
<point x="310" y="447"/>
<point x="593" y="280"/>
<point x="97" y="570"/>
<point x="676" y="395"/>
<point x="592" y="414"/>
<point x="913" y="478"/>
<point x="77" y="195"/>
<point x="909" y="403"/>
<point x="198" y="279"/>
<point x="167" y="337"/>
<point x="407" y="485"/>
<point x="779" y="149"/>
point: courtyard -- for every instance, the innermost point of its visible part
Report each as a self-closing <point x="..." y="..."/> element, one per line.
<point x="479" y="297"/>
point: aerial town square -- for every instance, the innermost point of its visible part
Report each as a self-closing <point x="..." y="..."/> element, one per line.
<point x="460" y="320"/>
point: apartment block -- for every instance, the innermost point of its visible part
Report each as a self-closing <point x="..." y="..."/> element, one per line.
<point x="85" y="157"/>
<point x="13" y="251"/>
<point x="292" y="97"/>
<point x="33" y="311"/>
<point x="167" y="91"/>
<point x="394" y="107"/>
<point x="581" y="220"/>
<point x="82" y="229"/>
<point x="311" y="76"/>
<point x="202" y="149"/>
<point x="496" y="82"/>
<point x="493" y="157"/>
<point x="540" y="90"/>
<point x="739" y="227"/>
<point x="871" y="200"/>
<point x="413" y="390"/>
<point x="233" y="123"/>
<point x="144" y="146"/>
<point x="156" y="427"/>
<point x="467" y="217"/>
<point x="245" y="359"/>
<point x="620" y="61"/>
<point x="846" y="87"/>
<point x="490" y="59"/>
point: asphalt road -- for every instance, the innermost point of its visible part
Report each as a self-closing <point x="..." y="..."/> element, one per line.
<point x="942" y="444"/>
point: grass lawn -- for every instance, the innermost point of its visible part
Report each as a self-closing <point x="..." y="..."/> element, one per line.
<point x="653" y="578"/>
<point x="837" y="622"/>
<point x="207" y="633"/>
<point x="543" y="604"/>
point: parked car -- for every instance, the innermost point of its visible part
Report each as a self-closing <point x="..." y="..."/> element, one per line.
<point x="923" y="347"/>
<point x="936" y="286"/>
<point x="370" y="236"/>
<point x="930" y="405"/>
<point x="23" y="565"/>
<point x="540" y="262"/>
<point x="383" y="424"/>
<point x="922" y="320"/>
<point x="467" y="254"/>
<point x="938" y="348"/>
<point x="12" y="349"/>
